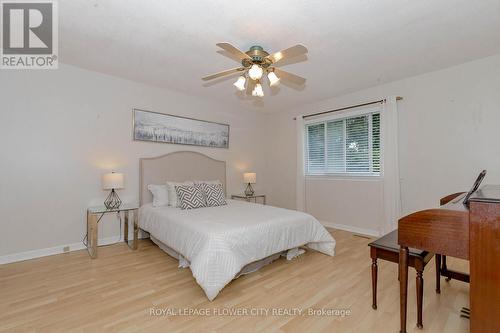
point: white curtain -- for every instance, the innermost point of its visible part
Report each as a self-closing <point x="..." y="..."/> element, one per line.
<point x="390" y="165"/>
<point x="300" y="202"/>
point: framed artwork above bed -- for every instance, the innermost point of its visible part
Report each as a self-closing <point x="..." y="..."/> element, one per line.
<point x="166" y="128"/>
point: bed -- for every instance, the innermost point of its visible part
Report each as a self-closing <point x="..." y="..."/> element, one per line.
<point x="220" y="243"/>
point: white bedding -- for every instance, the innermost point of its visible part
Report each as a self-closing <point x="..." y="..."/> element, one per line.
<point x="219" y="241"/>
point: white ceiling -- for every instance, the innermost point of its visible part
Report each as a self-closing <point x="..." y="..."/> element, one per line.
<point x="353" y="44"/>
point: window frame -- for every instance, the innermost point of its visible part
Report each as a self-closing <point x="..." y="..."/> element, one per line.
<point x="342" y="116"/>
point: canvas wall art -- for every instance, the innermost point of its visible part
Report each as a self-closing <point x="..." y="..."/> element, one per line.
<point x="160" y="127"/>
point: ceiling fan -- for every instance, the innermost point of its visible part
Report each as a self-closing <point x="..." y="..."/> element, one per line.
<point x="255" y="63"/>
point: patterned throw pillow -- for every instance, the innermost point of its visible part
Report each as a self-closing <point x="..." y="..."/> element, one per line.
<point x="172" y="194"/>
<point x="190" y="197"/>
<point x="214" y="194"/>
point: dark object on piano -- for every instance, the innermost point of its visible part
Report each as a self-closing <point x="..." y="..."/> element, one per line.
<point x="487" y="193"/>
<point x="474" y="188"/>
<point x="462" y="232"/>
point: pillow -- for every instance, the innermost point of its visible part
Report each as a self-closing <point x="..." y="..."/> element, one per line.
<point x="214" y="194"/>
<point x="190" y="197"/>
<point x="172" y="194"/>
<point x="160" y="196"/>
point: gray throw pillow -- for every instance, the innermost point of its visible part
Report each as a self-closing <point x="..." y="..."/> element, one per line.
<point x="190" y="197"/>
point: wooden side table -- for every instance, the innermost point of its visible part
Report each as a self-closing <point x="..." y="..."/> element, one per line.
<point x="249" y="198"/>
<point x="94" y="215"/>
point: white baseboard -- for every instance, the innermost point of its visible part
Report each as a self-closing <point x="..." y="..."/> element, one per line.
<point x="350" y="228"/>
<point x="33" y="254"/>
<point x="21" y="256"/>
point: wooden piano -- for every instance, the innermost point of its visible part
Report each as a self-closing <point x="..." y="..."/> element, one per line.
<point x="468" y="232"/>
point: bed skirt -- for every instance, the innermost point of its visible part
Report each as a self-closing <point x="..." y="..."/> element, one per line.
<point x="250" y="268"/>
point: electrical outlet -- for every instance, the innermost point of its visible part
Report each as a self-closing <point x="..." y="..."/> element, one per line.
<point x="66" y="249"/>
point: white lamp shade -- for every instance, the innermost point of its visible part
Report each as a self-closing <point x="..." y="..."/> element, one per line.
<point x="273" y="79"/>
<point x="240" y="83"/>
<point x="250" y="177"/>
<point x="257" y="91"/>
<point x="255" y="72"/>
<point x="113" y="180"/>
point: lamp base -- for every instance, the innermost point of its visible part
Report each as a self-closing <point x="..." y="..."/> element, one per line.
<point x="112" y="201"/>
<point x="249" y="190"/>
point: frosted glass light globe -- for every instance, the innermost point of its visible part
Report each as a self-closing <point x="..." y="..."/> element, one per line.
<point x="240" y="83"/>
<point x="273" y="79"/>
<point x="255" y="72"/>
<point x="257" y="91"/>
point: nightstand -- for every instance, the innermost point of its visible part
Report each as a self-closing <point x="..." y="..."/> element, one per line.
<point x="95" y="214"/>
<point x="249" y="198"/>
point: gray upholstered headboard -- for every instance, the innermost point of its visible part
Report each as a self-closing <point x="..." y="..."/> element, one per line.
<point x="178" y="166"/>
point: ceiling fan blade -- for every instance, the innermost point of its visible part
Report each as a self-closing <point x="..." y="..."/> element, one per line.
<point x="287" y="53"/>
<point x="298" y="80"/>
<point x="250" y="85"/>
<point x="234" y="51"/>
<point x="223" y="73"/>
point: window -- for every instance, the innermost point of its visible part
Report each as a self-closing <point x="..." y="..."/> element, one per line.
<point x="348" y="145"/>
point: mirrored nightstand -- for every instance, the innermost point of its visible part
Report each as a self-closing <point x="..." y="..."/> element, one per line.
<point x="95" y="214"/>
<point x="250" y="198"/>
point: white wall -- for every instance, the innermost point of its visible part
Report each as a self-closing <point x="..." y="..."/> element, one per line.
<point x="350" y="203"/>
<point x="61" y="129"/>
<point x="449" y="128"/>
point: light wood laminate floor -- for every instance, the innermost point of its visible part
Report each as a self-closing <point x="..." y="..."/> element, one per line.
<point x="116" y="292"/>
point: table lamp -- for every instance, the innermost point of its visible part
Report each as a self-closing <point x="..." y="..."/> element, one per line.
<point x="249" y="178"/>
<point x="112" y="181"/>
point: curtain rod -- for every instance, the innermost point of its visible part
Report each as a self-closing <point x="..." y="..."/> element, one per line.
<point x="346" y="108"/>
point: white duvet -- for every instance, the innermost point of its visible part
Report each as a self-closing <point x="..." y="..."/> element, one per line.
<point x="219" y="241"/>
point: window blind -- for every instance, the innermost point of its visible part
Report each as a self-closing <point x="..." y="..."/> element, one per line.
<point x="349" y="145"/>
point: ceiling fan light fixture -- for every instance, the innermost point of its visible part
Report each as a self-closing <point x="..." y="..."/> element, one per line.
<point x="273" y="79"/>
<point x="257" y="90"/>
<point x="256" y="63"/>
<point x="255" y="72"/>
<point x="240" y="83"/>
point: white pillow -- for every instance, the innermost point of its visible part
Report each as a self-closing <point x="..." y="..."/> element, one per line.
<point x="173" y="200"/>
<point x="160" y="195"/>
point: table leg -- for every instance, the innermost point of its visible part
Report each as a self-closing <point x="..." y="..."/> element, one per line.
<point x="437" y="257"/>
<point x="403" y="286"/>
<point x="445" y="269"/>
<point x="420" y="295"/>
<point x="136" y="229"/>
<point x="374" y="283"/>
<point x="92" y="235"/>
<point x="125" y="226"/>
